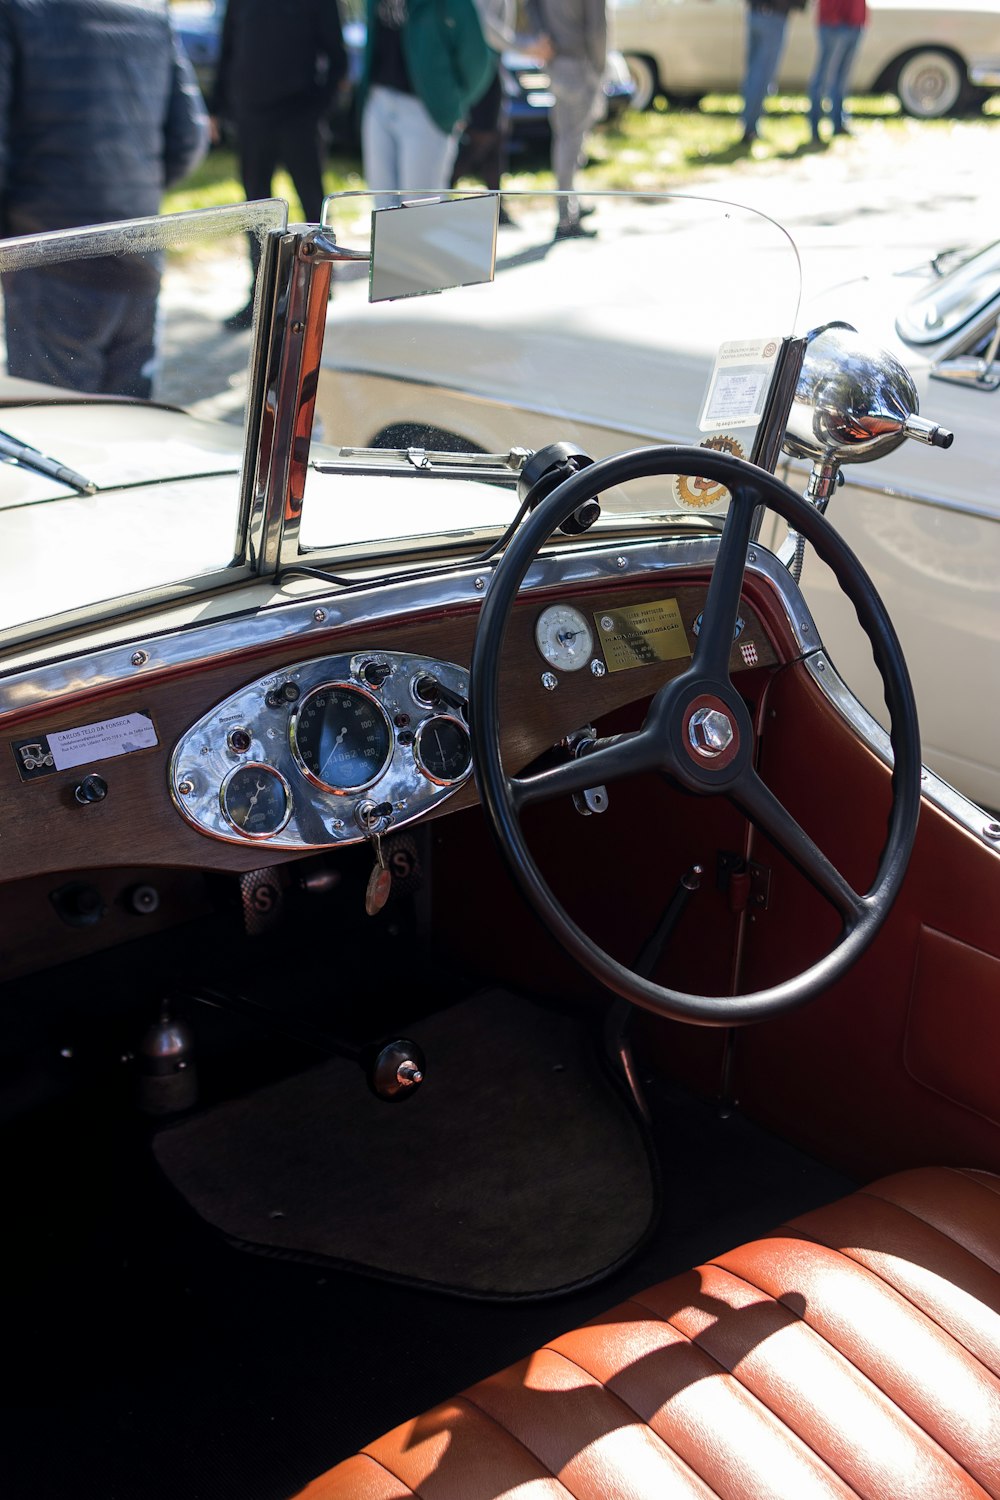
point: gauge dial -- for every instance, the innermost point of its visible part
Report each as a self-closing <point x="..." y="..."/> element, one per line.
<point x="443" y="750"/>
<point x="564" y="637"/>
<point x="341" y="738"/>
<point x="256" y="801"/>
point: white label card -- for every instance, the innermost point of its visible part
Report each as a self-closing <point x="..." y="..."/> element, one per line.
<point x="100" y="741"/>
<point x="738" y="388"/>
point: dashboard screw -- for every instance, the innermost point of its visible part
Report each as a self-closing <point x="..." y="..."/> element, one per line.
<point x="185" y="788"/>
<point x="597" y="668"/>
<point x="621" y="562"/>
<point x="480" y="585"/>
<point x="139" y="658"/>
<point x="992" y="832"/>
<point x="319" y="615"/>
<point x="550" y="681"/>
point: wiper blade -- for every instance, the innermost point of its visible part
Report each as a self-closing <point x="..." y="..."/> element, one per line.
<point x="41" y="463"/>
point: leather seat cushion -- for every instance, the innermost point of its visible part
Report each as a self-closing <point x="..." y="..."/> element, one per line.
<point x="854" y="1351"/>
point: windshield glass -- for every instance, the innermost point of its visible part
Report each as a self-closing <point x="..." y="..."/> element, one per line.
<point x="104" y="490"/>
<point x="951" y="302"/>
<point x="663" y="325"/>
<point x="662" y="322"/>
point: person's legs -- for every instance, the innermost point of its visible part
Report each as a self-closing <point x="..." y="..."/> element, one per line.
<point x="575" y="91"/>
<point x="131" y="356"/>
<point x="427" y="152"/>
<point x="819" y="83"/>
<point x="56" y="330"/>
<point x="380" y="148"/>
<point x="765" y="41"/>
<point x="300" y="147"/>
<point x="846" y="45"/>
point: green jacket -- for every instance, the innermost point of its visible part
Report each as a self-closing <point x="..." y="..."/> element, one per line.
<point x="448" y="59"/>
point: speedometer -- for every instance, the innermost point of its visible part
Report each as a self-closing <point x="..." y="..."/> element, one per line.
<point x="341" y="738"/>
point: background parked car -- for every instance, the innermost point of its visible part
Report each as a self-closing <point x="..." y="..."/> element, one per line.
<point x="925" y="524"/>
<point x="527" y="96"/>
<point x="939" y="59"/>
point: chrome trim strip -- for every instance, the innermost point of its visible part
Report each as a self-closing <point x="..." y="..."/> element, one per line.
<point x="971" y="817"/>
<point x="316" y="616"/>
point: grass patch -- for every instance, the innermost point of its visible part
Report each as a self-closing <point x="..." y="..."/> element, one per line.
<point x="659" y="150"/>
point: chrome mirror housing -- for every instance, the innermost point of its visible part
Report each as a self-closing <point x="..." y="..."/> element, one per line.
<point x="853" y="402"/>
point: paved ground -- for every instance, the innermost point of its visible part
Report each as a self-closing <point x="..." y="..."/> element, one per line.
<point x="880" y="200"/>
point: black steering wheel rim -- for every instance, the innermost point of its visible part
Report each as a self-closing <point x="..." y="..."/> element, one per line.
<point x="749" y="487"/>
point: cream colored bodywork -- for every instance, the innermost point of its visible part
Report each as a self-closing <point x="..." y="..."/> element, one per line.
<point x="698" y="45"/>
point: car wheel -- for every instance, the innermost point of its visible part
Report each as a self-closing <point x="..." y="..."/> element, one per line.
<point x="645" y="78"/>
<point x="930" y="83"/>
<point x="420" y="435"/>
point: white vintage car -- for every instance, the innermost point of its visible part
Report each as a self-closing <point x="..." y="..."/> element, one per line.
<point x="938" y="59"/>
<point x="447" y="896"/>
<point x="927" y="525"/>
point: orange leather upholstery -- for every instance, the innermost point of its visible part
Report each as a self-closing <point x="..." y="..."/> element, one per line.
<point x="856" y="1351"/>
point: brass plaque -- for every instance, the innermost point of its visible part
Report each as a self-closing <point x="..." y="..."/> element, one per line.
<point x="639" y="634"/>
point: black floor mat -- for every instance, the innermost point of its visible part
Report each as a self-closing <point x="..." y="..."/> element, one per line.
<point x="516" y="1171"/>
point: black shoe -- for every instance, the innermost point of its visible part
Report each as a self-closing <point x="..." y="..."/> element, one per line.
<point x="239" y="322"/>
<point x="842" y="130"/>
<point x="748" y="137"/>
<point x="505" y="221"/>
<point x="574" y="231"/>
<point x="586" y="209"/>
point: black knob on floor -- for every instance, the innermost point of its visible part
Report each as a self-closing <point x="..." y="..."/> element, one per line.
<point x="396" y="1070"/>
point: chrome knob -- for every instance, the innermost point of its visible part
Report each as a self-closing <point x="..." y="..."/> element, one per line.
<point x="710" y="731"/>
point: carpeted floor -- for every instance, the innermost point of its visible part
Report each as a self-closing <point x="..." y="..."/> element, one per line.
<point x="516" y="1170"/>
<point x="146" y="1359"/>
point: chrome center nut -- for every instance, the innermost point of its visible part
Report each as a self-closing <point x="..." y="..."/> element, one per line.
<point x="710" y="731"/>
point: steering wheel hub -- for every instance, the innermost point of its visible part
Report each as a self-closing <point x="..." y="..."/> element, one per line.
<point x="710" y="732"/>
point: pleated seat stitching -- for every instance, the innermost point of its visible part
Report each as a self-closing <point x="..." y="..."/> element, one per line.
<point x="780" y="1424"/>
<point x="544" y="1470"/>
<point x="821" y="1458"/>
<point x="936" y="1228"/>
<point x="904" y="1415"/>
<point x="903" y="1296"/>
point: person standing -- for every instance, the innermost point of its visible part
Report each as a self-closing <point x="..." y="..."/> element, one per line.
<point x="482" y="151"/>
<point x="765" y="41"/>
<point x="426" y="64"/>
<point x="280" y="66"/>
<point x="99" y="113"/>
<point x="577" y="35"/>
<point x="839" y="27"/>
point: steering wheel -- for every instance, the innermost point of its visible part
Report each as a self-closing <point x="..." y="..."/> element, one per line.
<point x="698" y="731"/>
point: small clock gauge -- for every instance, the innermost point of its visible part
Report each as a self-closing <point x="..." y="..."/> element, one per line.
<point x="564" y="637"/>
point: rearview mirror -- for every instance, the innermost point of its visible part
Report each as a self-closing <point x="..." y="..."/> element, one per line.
<point x="432" y="244"/>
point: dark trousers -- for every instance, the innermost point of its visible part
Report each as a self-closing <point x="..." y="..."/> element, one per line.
<point x="97" y="338"/>
<point x="295" y="142"/>
<point x="483" y="149"/>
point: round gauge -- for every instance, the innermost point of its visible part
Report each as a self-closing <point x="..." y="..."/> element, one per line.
<point x="442" y="749"/>
<point x="256" y="801"/>
<point x="341" y="737"/>
<point x="563" y="637"/>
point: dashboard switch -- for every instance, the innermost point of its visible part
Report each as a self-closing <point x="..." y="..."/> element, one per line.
<point x="92" y="788"/>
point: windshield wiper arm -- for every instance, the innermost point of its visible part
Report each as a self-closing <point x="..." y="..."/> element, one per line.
<point x="31" y="458"/>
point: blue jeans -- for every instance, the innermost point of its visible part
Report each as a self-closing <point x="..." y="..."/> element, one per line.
<point x="765" y="42"/>
<point x="402" y="149"/>
<point x="94" y="337"/>
<point x="837" y="46"/>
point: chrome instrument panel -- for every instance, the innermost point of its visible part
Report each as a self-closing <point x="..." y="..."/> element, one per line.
<point x="327" y="751"/>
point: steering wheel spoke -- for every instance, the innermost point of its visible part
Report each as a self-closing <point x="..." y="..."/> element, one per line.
<point x="609" y="760"/>
<point x="764" y="810"/>
<point x="718" y="625"/>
